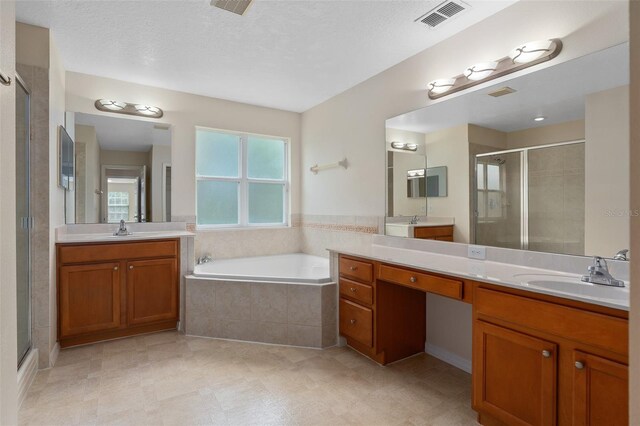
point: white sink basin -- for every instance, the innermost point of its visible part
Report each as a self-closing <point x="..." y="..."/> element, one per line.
<point x="571" y="285"/>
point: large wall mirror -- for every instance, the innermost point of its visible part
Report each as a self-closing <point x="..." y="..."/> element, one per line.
<point x="538" y="162"/>
<point x="122" y="172"/>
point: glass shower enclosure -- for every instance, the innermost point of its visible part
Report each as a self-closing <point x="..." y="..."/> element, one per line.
<point x="531" y="198"/>
<point x="23" y="217"/>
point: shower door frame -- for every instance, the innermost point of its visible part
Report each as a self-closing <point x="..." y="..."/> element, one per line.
<point x="27" y="222"/>
<point x="524" y="186"/>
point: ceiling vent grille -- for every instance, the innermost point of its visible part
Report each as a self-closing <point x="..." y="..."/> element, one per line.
<point x="442" y="13"/>
<point x="239" y="7"/>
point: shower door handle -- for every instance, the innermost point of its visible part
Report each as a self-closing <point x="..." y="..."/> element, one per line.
<point x="5" y="79"/>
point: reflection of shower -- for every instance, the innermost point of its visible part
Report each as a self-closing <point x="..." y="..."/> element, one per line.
<point x="498" y="159"/>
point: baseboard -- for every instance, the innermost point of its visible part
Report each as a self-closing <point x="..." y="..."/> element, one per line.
<point x="448" y="357"/>
<point x="53" y="355"/>
<point x="27" y="374"/>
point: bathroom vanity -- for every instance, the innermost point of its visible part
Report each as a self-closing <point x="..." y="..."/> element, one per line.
<point x="538" y="359"/>
<point x="115" y="286"/>
<point x="109" y="290"/>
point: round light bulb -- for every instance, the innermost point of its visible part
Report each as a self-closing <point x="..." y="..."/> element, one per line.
<point x="441" y="85"/>
<point x="530" y="51"/>
<point x="480" y="71"/>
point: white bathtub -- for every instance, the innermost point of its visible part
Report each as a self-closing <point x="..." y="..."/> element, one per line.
<point x="285" y="268"/>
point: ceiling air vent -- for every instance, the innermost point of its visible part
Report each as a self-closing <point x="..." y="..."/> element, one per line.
<point x="441" y="13"/>
<point x="502" y="92"/>
<point x="238" y="7"/>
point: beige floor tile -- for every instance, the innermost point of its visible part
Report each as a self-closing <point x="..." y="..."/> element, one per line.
<point x="171" y="379"/>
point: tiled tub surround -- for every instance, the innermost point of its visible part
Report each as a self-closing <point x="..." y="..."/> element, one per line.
<point x="310" y="234"/>
<point x="280" y="313"/>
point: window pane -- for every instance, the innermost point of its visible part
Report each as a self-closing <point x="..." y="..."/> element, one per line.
<point x="217" y="154"/>
<point x="480" y="176"/>
<point x="494" y="205"/>
<point x="217" y="203"/>
<point x="266" y="203"/>
<point x="493" y="177"/>
<point x="482" y="202"/>
<point x="266" y="158"/>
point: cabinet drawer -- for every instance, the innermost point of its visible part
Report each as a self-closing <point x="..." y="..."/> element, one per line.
<point x="87" y="253"/>
<point x="603" y="331"/>
<point x="421" y="281"/>
<point x="362" y="271"/>
<point x="356" y="322"/>
<point x="360" y="292"/>
<point x="433" y="232"/>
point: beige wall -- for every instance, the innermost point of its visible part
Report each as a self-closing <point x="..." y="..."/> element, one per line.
<point x="160" y="155"/>
<point x="562" y="132"/>
<point x="184" y="112"/>
<point x="352" y="124"/>
<point x="450" y="147"/>
<point x="124" y="158"/>
<point x="56" y="194"/>
<point x="87" y="135"/>
<point x="607" y="172"/>
<point x="32" y="45"/>
<point x="634" y="331"/>
<point x="8" y="357"/>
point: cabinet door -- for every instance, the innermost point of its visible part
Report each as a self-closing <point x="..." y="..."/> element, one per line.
<point x="89" y="298"/>
<point x="600" y="391"/>
<point x="514" y="376"/>
<point x="152" y="291"/>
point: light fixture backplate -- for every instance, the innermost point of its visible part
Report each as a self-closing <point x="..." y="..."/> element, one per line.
<point x="505" y="66"/>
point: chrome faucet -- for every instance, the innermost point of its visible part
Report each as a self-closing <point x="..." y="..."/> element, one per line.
<point x="204" y="259"/>
<point x="622" y="255"/>
<point x="122" y="230"/>
<point x="414" y="220"/>
<point x="599" y="274"/>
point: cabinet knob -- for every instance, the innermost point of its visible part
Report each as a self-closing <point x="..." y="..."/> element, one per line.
<point x="546" y="353"/>
<point x="353" y="321"/>
<point x="579" y="365"/>
<point x="130" y="266"/>
<point x="353" y="268"/>
<point x="413" y="279"/>
<point x="115" y="268"/>
<point x="353" y="290"/>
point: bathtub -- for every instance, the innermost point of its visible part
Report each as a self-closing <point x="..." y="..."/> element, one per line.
<point x="284" y="299"/>
<point x="289" y="268"/>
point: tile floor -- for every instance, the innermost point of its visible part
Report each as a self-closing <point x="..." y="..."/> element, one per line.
<point x="171" y="379"/>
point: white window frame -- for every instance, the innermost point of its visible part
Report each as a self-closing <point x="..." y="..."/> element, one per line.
<point x="243" y="182"/>
<point x="487" y="191"/>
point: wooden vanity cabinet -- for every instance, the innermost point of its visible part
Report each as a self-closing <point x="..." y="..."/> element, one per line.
<point x="110" y="290"/>
<point x="540" y="360"/>
<point x="440" y="233"/>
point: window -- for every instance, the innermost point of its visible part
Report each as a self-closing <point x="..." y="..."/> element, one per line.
<point x="118" y="206"/>
<point x="489" y="191"/>
<point x="241" y="179"/>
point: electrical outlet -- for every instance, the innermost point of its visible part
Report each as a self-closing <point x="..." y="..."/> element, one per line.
<point x="477" y="252"/>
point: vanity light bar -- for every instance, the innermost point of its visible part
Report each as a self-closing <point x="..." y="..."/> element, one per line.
<point x="140" y="110"/>
<point x="521" y="57"/>
<point x="404" y="146"/>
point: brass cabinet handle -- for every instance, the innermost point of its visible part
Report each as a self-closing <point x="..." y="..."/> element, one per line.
<point x="353" y="290"/>
<point x="546" y="353"/>
<point x="353" y="268"/>
<point x="115" y="268"/>
<point x="130" y="266"/>
<point x="579" y="365"/>
<point x="353" y="321"/>
<point x="413" y="279"/>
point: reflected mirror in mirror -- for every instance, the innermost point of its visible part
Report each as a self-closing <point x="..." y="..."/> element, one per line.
<point x="543" y="166"/>
<point x="123" y="170"/>
<point x="406" y="171"/>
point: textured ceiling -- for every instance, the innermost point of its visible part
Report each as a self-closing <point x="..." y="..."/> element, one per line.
<point x="121" y="134"/>
<point x="557" y="93"/>
<point x="284" y="54"/>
